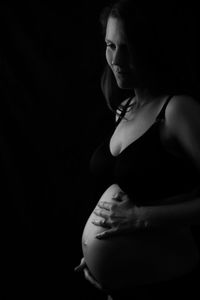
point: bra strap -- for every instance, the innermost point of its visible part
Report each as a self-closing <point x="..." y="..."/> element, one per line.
<point x="123" y="112"/>
<point x="161" y="114"/>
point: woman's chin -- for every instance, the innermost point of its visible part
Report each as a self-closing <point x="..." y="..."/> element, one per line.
<point x="124" y="84"/>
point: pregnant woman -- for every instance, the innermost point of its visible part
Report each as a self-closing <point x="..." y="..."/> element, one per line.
<point x="138" y="237"/>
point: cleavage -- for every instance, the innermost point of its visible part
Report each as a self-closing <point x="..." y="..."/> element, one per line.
<point x="126" y="134"/>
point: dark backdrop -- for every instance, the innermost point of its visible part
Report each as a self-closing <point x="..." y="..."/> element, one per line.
<point x="51" y="107"/>
<point x="52" y="116"/>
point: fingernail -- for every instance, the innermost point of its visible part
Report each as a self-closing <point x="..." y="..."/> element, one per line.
<point x="76" y="269"/>
<point x="99" y="236"/>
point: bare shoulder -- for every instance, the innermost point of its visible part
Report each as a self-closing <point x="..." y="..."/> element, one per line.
<point x="182" y="122"/>
<point x="182" y="108"/>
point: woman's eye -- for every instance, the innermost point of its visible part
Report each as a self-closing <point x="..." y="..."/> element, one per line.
<point x="111" y="46"/>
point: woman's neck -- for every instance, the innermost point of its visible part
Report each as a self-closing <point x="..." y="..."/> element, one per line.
<point x="143" y="97"/>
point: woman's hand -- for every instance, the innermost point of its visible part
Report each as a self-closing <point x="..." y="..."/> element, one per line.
<point x="88" y="276"/>
<point x="119" y="217"/>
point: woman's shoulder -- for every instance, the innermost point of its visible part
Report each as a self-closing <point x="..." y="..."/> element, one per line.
<point x="182" y="115"/>
<point x="182" y="106"/>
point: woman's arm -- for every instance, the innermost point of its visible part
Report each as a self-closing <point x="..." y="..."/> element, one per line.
<point x="177" y="213"/>
<point x="123" y="217"/>
<point x="183" y="123"/>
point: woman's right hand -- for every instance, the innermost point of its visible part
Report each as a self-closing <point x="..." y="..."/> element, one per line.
<point x="88" y="276"/>
<point x="81" y="266"/>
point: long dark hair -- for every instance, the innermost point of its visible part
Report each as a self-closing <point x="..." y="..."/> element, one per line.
<point x="163" y="38"/>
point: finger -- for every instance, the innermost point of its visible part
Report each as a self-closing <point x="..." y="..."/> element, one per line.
<point x="104" y="205"/>
<point x="81" y="266"/>
<point x="90" y="278"/>
<point x="100" y="213"/>
<point x="83" y="260"/>
<point x="108" y="233"/>
<point x="101" y="223"/>
<point x="118" y="195"/>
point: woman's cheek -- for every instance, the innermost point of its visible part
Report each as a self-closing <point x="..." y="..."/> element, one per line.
<point x="109" y="57"/>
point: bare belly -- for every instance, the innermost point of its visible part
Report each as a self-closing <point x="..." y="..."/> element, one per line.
<point x="137" y="258"/>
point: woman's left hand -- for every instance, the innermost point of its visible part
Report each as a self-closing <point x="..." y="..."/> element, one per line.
<point x="88" y="276"/>
<point x="118" y="217"/>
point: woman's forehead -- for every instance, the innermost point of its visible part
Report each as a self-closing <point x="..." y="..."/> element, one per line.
<point x="115" y="30"/>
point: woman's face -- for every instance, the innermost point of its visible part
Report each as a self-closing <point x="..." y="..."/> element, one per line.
<point x="118" y="54"/>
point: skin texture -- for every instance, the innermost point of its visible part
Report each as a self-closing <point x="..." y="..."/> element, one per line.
<point x="122" y="60"/>
<point x="182" y="125"/>
<point x="118" y="54"/>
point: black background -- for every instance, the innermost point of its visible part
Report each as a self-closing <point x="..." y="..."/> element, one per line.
<point x="52" y="115"/>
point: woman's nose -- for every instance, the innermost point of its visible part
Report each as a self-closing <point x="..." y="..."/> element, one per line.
<point x="118" y="58"/>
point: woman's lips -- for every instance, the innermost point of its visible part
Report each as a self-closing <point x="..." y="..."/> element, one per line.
<point x="122" y="73"/>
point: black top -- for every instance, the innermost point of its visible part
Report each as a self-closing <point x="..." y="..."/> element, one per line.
<point x="145" y="170"/>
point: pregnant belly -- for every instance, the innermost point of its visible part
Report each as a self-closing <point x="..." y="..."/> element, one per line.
<point x="137" y="258"/>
